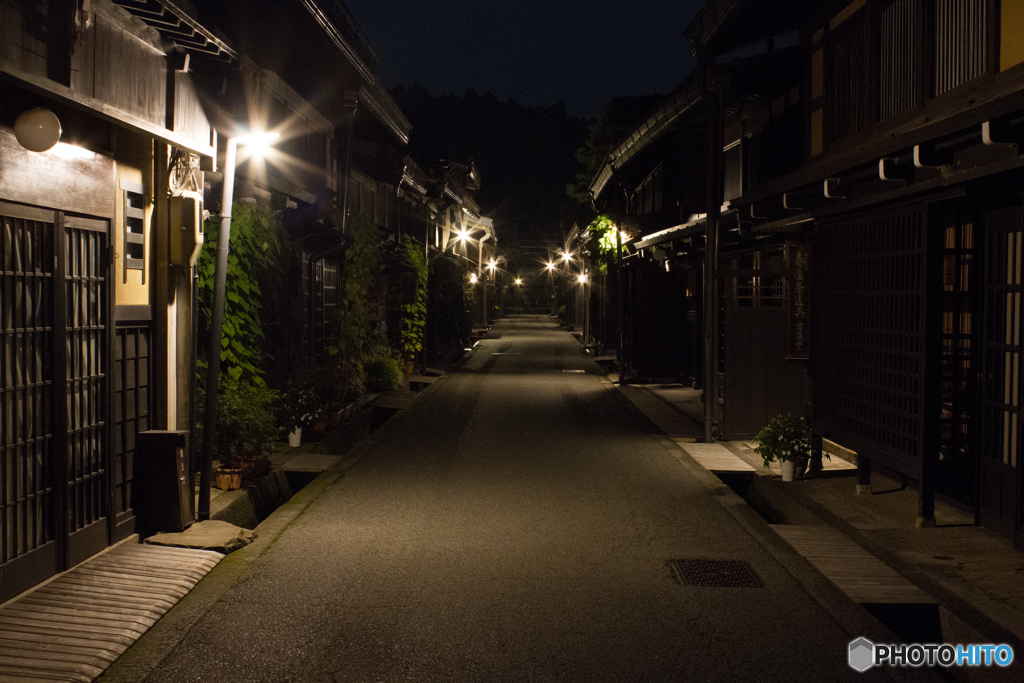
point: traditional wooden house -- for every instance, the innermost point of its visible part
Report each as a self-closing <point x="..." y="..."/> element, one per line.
<point x="98" y="231"/>
<point x="892" y="180"/>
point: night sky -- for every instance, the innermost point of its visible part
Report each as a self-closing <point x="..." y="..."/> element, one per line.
<point x="535" y="51"/>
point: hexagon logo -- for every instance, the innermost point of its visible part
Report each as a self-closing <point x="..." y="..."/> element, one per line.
<point x="862" y="654"/>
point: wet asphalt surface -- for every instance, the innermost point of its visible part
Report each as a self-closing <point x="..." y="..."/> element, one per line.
<point x="514" y="526"/>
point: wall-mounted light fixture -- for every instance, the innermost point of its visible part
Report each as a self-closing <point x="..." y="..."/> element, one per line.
<point x="37" y="130"/>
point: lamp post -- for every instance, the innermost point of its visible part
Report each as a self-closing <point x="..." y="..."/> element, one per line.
<point x="217" y="319"/>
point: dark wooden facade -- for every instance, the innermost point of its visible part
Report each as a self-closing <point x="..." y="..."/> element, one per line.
<point x="883" y="137"/>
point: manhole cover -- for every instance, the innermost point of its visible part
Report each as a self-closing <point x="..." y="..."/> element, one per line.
<point x="575" y="372"/>
<point x="715" y="573"/>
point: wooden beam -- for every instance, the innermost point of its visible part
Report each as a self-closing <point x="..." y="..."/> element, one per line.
<point x="66" y="95"/>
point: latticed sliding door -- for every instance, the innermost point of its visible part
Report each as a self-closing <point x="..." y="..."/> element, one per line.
<point x="1001" y="411"/>
<point x="86" y="317"/>
<point x="28" y="405"/>
<point x="54" y="307"/>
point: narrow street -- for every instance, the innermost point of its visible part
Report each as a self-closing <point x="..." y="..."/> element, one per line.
<point x="514" y="526"/>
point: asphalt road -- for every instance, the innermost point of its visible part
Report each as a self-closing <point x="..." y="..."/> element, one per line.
<point x="514" y="526"/>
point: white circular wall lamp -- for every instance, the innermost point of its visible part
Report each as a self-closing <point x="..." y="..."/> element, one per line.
<point x="37" y="130"/>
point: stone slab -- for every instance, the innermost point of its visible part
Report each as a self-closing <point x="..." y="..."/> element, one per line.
<point x="212" y="534"/>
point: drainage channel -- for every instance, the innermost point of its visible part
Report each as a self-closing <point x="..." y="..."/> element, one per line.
<point x="910" y="614"/>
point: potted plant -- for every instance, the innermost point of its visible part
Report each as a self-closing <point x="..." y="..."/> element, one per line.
<point x="299" y="407"/>
<point x="246" y="428"/>
<point x="786" y="439"/>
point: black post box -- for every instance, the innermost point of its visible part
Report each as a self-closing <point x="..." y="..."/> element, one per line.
<point x="165" y="485"/>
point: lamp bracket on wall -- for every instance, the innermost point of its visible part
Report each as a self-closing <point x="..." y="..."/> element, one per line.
<point x="831" y="184"/>
<point x="786" y="205"/>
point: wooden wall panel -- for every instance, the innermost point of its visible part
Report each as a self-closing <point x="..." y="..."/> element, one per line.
<point x="118" y="62"/>
<point x="23" y="36"/>
<point x="82" y="184"/>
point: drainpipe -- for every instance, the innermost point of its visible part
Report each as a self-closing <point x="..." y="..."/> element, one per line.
<point x="711" y="91"/>
<point x="480" y="272"/>
<point x="352" y="105"/>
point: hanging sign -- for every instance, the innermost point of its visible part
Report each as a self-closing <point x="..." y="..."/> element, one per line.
<point x="798" y="260"/>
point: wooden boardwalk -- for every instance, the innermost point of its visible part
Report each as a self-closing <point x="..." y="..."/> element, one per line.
<point x="860" y="575"/>
<point x="74" y="627"/>
<point x="715" y="457"/>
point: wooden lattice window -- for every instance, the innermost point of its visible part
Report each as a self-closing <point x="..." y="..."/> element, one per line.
<point x="899" y="74"/>
<point x="961" y="42"/>
<point x="846" y="78"/>
<point x="134" y="228"/>
<point x="871" y="282"/>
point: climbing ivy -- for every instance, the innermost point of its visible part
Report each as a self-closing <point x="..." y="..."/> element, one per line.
<point x="254" y="264"/>
<point x="414" y="313"/>
<point x="362" y="263"/>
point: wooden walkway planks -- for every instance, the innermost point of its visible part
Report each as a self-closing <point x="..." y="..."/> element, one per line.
<point x="862" y="576"/>
<point x="73" y="627"/>
<point x="715" y="457"/>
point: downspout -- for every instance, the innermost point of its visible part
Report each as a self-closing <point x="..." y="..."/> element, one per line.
<point x="352" y="103"/>
<point x="480" y="270"/>
<point x="712" y="92"/>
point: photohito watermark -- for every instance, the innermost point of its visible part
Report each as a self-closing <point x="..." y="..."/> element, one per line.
<point x="863" y="654"/>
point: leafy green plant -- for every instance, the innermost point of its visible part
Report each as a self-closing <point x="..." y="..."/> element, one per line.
<point x="414" y="313"/>
<point x="245" y="419"/>
<point x="254" y="264"/>
<point x="786" y="437"/>
<point x="383" y="374"/>
<point x="301" y="402"/>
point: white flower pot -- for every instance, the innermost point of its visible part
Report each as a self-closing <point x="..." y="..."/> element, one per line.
<point x="295" y="438"/>
<point x="788" y="470"/>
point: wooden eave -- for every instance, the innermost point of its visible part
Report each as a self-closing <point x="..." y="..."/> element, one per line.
<point x="973" y="105"/>
<point x="379" y="101"/>
<point x="175" y="24"/>
<point x="721" y="26"/>
<point x="73" y="98"/>
<point x="682" y="100"/>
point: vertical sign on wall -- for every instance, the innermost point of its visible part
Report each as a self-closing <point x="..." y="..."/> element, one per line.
<point x="798" y="261"/>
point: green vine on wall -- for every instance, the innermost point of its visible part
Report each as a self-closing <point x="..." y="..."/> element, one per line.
<point x="414" y="313"/>
<point x="254" y="263"/>
<point x="362" y="263"/>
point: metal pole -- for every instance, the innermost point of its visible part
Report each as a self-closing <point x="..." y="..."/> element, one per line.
<point x="352" y="102"/>
<point x="714" y="207"/>
<point x="216" y="332"/>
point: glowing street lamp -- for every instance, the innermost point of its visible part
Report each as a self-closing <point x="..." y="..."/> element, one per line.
<point x="519" y="281"/>
<point x="255" y="143"/>
<point x="472" y="279"/>
<point x="582" y="278"/>
<point x="566" y="257"/>
<point x="550" y="266"/>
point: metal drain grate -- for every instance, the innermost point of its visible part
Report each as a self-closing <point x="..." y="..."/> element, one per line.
<point x="715" y="573"/>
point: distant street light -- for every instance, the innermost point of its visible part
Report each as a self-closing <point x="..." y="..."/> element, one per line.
<point x="582" y="278"/>
<point x="472" y="278"/>
<point x="566" y="257"/>
<point x="550" y="266"/>
<point x="255" y="143"/>
<point x="519" y="281"/>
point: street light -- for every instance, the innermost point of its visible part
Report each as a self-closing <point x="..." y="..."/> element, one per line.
<point x="519" y="281"/>
<point x="253" y="142"/>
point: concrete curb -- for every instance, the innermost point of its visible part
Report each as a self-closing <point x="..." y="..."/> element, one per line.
<point x="157" y="643"/>
<point x="965" y="622"/>
<point x="849" y="615"/>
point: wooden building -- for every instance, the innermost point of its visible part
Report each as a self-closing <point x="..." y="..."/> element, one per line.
<point x="90" y="294"/>
<point x="870" y="223"/>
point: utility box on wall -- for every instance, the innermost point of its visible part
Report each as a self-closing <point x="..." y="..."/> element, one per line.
<point x="166" y="490"/>
<point x="186" y="227"/>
